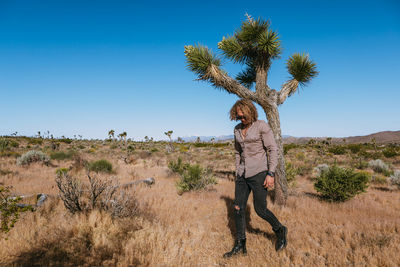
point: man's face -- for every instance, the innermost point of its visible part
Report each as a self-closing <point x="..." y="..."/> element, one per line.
<point x="241" y="116"/>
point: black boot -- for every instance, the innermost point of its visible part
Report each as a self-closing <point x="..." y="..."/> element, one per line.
<point x="281" y="241"/>
<point x="240" y="245"/>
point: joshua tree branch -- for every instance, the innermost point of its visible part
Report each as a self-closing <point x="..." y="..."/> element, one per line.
<point x="287" y="89"/>
<point x="222" y="80"/>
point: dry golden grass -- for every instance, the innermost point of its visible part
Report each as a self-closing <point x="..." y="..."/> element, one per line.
<point x="195" y="229"/>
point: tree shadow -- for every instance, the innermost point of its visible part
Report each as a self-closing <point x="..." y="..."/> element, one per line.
<point x="383" y="188"/>
<point x="313" y="195"/>
<point x="231" y="220"/>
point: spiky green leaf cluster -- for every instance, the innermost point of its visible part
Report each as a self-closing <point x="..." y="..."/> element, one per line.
<point x="255" y="45"/>
<point x="248" y="76"/>
<point x="199" y="58"/>
<point x="302" y="68"/>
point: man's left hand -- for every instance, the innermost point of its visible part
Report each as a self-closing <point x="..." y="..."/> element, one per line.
<point x="269" y="182"/>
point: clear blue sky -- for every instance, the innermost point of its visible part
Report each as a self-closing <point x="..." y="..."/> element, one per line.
<point x="85" y="67"/>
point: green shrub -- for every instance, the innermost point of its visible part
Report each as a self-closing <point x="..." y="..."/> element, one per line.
<point x="61" y="171"/>
<point x="9" y="209"/>
<point x="100" y="166"/>
<point x="194" y="177"/>
<point x="35" y="141"/>
<point x="62" y="155"/>
<point x="354" y="148"/>
<point x="291" y="172"/>
<point x="200" y="145"/>
<point x="300" y="156"/>
<point x="304" y="169"/>
<point x="389" y="152"/>
<point x="65" y="140"/>
<point x="183" y="148"/>
<point x="378" y="179"/>
<point x="340" y="184"/>
<point x="6" y="144"/>
<point x="360" y="164"/>
<point x="10" y="154"/>
<point x="33" y="156"/>
<point x="287" y="147"/>
<point x="337" y="150"/>
<point x="178" y="166"/>
<point x="4" y="172"/>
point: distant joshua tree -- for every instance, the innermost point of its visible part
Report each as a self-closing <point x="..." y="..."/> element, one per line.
<point x="111" y="134"/>
<point x="254" y="45"/>
<point x="169" y="134"/>
<point x="122" y="136"/>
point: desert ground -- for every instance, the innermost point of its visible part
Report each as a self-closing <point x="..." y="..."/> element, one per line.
<point x="196" y="228"/>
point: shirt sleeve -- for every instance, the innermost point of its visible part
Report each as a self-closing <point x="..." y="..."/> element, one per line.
<point x="238" y="151"/>
<point x="268" y="139"/>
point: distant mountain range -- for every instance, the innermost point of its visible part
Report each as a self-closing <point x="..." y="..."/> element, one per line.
<point x="380" y="138"/>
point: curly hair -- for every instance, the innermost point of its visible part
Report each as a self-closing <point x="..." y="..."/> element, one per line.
<point x="248" y="109"/>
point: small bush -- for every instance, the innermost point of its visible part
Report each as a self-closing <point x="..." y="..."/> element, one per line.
<point x="10" y="154"/>
<point x="287" y="147"/>
<point x="4" y="172"/>
<point x="100" y="166"/>
<point x="378" y="179"/>
<point x="378" y="166"/>
<point x="9" y="209"/>
<point x="193" y="177"/>
<point x="337" y="150"/>
<point x="389" y="152"/>
<point x="35" y="141"/>
<point x="304" y="169"/>
<point x="178" y="166"/>
<point x="200" y="145"/>
<point x="354" y="148"/>
<point x="33" y="156"/>
<point x="300" y="156"/>
<point x="65" y="140"/>
<point x="395" y="178"/>
<point x="99" y="194"/>
<point x="291" y="172"/>
<point x="340" y="184"/>
<point x="62" y="155"/>
<point x="6" y="144"/>
<point x="359" y="164"/>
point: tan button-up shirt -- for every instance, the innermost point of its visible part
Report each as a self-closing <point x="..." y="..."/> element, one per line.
<point x="251" y="151"/>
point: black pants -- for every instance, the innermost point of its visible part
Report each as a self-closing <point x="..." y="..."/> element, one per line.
<point x="242" y="191"/>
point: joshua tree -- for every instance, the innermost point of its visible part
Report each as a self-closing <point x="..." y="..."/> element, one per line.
<point x="169" y="134"/>
<point x="111" y="134"/>
<point x="122" y="136"/>
<point x="254" y="45"/>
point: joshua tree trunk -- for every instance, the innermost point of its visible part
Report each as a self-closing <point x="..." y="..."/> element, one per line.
<point x="280" y="172"/>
